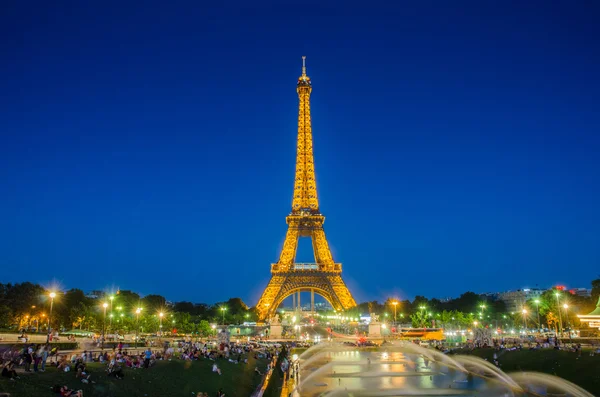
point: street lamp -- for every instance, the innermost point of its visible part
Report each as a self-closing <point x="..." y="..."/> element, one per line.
<point x="52" y="296"/>
<point x="558" y="309"/>
<point x="481" y="315"/>
<point x="223" y="308"/>
<point x="104" y="305"/>
<point x="160" y="316"/>
<point x="525" y="318"/>
<point x="111" y="310"/>
<point x="137" y="323"/>
<point x="395" y="303"/>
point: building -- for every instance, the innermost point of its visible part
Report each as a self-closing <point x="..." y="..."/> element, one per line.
<point x="95" y="294"/>
<point x="593" y="318"/>
<point x="490" y="296"/>
<point x="584" y="292"/>
<point x="515" y="300"/>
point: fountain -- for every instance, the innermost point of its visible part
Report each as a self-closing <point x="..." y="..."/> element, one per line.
<point x="406" y="369"/>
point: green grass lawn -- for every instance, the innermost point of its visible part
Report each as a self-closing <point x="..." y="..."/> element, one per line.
<point x="582" y="370"/>
<point x="166" y="378"/>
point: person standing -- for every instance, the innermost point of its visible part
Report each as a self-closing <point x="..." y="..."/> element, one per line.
<point x="37" y="356"/>
<point x="28" y="358"/>
<point x="44" y="357"/>
<point x="148" y="353"/>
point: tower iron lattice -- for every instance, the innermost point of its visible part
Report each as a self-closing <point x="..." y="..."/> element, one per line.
<point x="305" y="220"/>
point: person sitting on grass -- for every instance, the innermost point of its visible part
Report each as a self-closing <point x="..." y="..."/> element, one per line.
<point x="81" y="370"/>
<point x="63" y="364"/>
<point x="66" y="392"/>
<point x="115" y="370"/>
<point x="8" y="371"/>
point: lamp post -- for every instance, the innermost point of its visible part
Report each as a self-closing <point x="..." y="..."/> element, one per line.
<point x="525" y="318"/>
<point x="52" y="296"/>
<point x="482" y="306"/>
<point x="160" y="316"/>
<point x="395" y="303"/>
<point x="223" y="308"/>
<point x="537" y="305"/>
<point x="111" y="310"/>
<point x="567" y="316"/>
<point x="119" y="309"/>
<point x="104" y="305"/>
<point x="558" y="309"/>
<point x="137" y="323"/>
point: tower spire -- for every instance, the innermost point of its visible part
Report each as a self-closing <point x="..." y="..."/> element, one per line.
<point x="304" y="66"/>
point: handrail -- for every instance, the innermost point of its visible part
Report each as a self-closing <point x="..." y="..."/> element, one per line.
<point x="267" y="378"/>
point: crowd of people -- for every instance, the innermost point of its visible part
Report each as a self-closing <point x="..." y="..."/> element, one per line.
<point x="34" y="358"/>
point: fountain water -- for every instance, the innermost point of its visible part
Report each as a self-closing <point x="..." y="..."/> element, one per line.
<point x="405" y="369"/>
<point x="552" y="384"/>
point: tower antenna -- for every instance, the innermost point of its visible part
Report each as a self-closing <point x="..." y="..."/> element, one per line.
<point x="304" y="65"/>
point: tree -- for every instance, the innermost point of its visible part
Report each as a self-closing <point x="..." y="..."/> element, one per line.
<point x="204" y="328"/>
<point x="6" y="316"/>
<point x="419" y="319"/>
<point x="596" y="290"/>
<point x="418" y="302"/>
<point x="154" y="303"/>
<point x="552" y="321"/>
<point x="236" y="309"/>
<point x="67" y="308"/>
<point x="447" y="318"/>
<point x="184" y="307"/>
<point x="23" y="299"/>
<point x="467" y="302"/>
<point x="128" y="300"/>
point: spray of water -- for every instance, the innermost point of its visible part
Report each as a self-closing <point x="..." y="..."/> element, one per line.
<point x="528" y="380"/>
<point x="489" y="368"/>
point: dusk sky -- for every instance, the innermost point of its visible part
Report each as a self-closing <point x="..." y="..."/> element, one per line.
<point x="151" y="147"/>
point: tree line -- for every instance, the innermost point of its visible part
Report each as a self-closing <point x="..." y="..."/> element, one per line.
<point x="27" y="306"/>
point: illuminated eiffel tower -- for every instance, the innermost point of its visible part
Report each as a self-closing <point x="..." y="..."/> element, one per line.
<point x="323" y="277"/>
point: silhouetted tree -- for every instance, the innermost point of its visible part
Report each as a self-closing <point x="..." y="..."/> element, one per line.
<point x="154" y="303"/>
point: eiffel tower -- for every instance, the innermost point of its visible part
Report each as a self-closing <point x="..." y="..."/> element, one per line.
<point x="288" y="277"/>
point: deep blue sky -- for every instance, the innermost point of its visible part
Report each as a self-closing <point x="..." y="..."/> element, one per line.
<point x="152" y="147"/>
